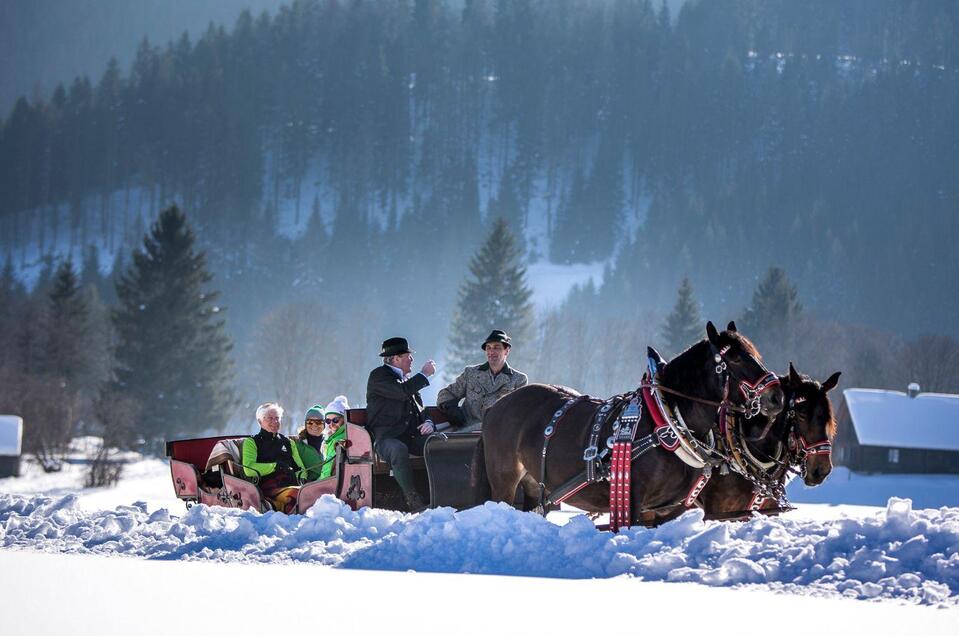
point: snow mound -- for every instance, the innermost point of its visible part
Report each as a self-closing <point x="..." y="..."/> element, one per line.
<point x="900" y="554"/>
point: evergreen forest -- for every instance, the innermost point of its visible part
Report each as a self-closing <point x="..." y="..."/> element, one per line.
<point x="790" y="164"/>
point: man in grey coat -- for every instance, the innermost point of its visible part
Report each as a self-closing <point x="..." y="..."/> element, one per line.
<point x="481" y="385"/>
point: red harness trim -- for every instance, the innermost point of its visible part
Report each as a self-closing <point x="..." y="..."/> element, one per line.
<point x="819" y="448"/>
<point x="697" y="487"/>
<point x="760" y="386"/>
<point x="620" y="486"/>
<point x="757" y="501"/>
<point x="659" y="420"/>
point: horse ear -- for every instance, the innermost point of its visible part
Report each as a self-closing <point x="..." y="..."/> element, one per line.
<point x="731" y="326"/>
<point x="794" y="377"/>
<point x="831" y="382"/>
<point x="711" y="333"/>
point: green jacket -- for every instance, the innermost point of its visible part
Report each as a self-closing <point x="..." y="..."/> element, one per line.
<point x="312" y="459"/>
<point x="329" y="450"/>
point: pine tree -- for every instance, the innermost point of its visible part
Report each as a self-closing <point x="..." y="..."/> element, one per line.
<point x="683" y="326"/>
<point x="59" y="374"/>
<point x="173" y="353"/>
<point x="65" y="355"/>
<point x="493" y="296"/>
<point x="12" y="293"/>
<point x="772" y="319"/>
<point x="310" y="250"/>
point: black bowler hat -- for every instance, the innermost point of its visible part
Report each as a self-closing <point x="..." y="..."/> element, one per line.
<point x="497" y="335"/>
<point x="394" y="347"/>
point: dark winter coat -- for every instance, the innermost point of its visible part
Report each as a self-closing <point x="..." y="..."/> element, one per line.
<point x="394" y="408"/>
<point x="315" y="441"/>
<point x="265" y="453"/>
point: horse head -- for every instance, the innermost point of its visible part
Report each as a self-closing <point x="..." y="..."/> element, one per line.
<point x="752" y="386"/>
<point x="810" y="424"/>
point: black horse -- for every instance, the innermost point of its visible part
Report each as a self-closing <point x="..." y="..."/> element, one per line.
<point x="799" y="437"/>
<point x="511" y="451"/>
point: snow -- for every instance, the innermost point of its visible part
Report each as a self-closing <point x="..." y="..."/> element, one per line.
<point x="11" y="432"/>
<point x="892" y="418"/>
<point x="162" y="597"/>
<point x="898" y="554"/>
<point x="550" y="282"/>
<point x="863" y="568"/>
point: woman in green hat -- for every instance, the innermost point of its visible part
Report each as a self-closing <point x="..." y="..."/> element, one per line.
<point x="310" y="441"/>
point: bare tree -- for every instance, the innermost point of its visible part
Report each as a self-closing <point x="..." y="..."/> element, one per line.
<point x="289" y="351"/>
<point x="48" y="409"/>
<point x="933" y="362"/>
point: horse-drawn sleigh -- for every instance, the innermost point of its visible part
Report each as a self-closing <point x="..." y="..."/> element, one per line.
<point x="712" y="428"/>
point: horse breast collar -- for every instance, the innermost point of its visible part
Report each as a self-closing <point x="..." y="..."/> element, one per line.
<point x="671" y="431"/>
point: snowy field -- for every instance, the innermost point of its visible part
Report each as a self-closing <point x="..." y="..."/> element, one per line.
<point x="133" y="560"/>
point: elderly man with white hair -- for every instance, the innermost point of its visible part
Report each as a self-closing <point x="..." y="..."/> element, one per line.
<point x="274" y="458"/>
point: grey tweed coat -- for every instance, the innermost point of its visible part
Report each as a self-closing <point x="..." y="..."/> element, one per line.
<point x="478" y="389"/>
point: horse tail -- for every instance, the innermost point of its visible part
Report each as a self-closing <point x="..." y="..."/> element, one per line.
<point x="479" y="480"/>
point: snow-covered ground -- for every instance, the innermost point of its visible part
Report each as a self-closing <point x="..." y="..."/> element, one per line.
<point x="878" y="567"/>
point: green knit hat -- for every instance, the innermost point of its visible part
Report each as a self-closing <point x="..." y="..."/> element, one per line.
<point x="315" y="412"/>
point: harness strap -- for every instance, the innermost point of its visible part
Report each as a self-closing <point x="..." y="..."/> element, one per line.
<point x="816" y="448"/>
<point x="572" y="486"/>
<point x="591" y="452"/>
<point x="620" y="469"/>
<point x="548" y="434"/>
<point x="698" y="486"/>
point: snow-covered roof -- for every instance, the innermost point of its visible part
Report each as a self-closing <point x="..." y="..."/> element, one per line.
<point x="892" y="418"/>
<point x="11" y="431"/>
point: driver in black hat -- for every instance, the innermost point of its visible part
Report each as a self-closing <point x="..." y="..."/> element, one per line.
<point x="395" y="413"/>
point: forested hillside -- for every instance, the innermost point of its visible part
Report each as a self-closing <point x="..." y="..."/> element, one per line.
<point x="352" y="155"/>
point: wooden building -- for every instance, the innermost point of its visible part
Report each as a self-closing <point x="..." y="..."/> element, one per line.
<point x="895" y="432"/>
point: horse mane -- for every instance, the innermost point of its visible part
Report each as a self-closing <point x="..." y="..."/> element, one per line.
<point x="831" y="424"/>
<point x="682" y="374"/>
<point x="565" y="390"/>
<point x="749" y="347"/>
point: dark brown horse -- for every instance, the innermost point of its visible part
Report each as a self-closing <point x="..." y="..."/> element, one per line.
<point x="799" y="437"/>
<point x="511" y="449"/>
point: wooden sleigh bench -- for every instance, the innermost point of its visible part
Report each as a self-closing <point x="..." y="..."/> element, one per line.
<point x="358" y="418"/>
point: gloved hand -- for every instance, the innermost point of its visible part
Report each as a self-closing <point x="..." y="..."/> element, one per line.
<point x="454" y="412"/>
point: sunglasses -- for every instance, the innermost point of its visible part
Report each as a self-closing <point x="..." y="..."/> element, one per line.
<point x="314" y="422"/>
<point x="333" y="420"/>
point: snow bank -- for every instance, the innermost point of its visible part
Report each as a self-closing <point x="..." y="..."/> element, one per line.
<point x="899" y="554"/>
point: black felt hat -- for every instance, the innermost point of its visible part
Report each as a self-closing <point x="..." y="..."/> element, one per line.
<point x="394" y="347"/>
<point x="497" y="335"/>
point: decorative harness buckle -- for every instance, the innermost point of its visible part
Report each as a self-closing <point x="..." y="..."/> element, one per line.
<point x="753" y="392"/>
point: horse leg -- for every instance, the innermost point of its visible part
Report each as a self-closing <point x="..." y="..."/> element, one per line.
<point x="531" y="492"/>
<point x="504" y="477"/>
